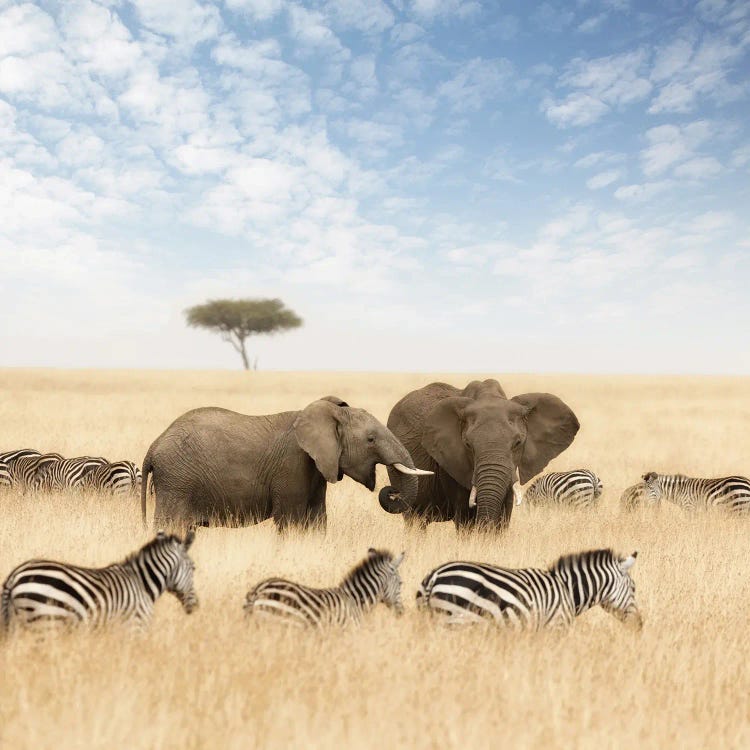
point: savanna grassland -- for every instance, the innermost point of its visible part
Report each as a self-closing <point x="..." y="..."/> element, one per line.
<point x="213" y="680"/>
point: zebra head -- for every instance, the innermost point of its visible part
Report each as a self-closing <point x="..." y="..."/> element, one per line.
<point x="385" y="567"/>
<point x="654" y="489"/>
<point x="619" y="596"/>
<point x="179" y="579"/>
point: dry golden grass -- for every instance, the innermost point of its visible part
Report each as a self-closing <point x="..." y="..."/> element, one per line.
<point x="214" y="680"/>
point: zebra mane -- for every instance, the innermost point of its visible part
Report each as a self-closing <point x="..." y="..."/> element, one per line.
<point x="589" y="556"/>
<point x="371" y="560"/>
<point x="159" y="541"/>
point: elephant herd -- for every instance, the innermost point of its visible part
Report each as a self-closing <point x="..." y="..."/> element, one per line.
<point x="451" y="454"/>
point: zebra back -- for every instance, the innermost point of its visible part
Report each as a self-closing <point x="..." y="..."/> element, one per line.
<point x="728" y="493"/>
<point x="5" y="478"/>
<point x="633" y="496"/>
<point x="10" y="456"/>
<point x="375" y="579"/>
<point x="576" y="488"/>
<point x="70" y="473"/>
<point x="117" y="478"/>
<point x="25" y="469"/>
<point x="46" y="590"/>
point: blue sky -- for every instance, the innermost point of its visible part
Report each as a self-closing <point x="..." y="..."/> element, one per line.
<point x="432" y="184"/>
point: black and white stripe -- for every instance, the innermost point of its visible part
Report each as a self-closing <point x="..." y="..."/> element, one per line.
<point x="690" y="493"/>
<point x="10" y="456"/>
<point x="375" y="579"/>
<point x="44" y="590"/>
<point x="24" y="470"/>
<point x="5" y="480"/>
<point x="116" y="478"/>
<point x="529" y="597"/>
<point x="70" y="473"/>
<point x="576" y="488"/>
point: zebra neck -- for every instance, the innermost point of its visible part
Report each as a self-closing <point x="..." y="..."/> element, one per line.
<point x="151" y="579"/>
<point x="359" y="588"/>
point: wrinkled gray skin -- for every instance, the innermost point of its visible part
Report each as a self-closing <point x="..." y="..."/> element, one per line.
<point x="472" y="437"/>
<point x="214" y="466"/>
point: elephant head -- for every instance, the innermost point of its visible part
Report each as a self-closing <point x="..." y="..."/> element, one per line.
<point x="343" y="440"/>
<point x="482" y="440"/>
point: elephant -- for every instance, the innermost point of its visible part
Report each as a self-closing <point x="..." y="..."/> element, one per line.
<point x="215" y="466"/>
<point x="476" y="441"/>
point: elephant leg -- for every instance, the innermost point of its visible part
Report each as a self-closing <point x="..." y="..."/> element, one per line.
<point x="316" y="513"/>
<point x="170" y="514"/>
<point x="300" y="511"/>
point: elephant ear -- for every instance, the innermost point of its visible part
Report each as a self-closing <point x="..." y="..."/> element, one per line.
<point x="551" y="426"/>
<point x="316" y="430"/>
<point x="442" y="438"/>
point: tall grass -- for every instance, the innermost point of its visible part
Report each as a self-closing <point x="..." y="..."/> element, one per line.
<point x="215" y="680"/>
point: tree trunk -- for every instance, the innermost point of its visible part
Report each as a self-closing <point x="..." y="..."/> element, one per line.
<point x="243" y="354"/>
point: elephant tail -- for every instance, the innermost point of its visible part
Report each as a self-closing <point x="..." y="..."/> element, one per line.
<point x="146" y="470"/>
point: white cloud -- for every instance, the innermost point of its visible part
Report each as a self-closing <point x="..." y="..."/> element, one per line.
<point x="261" y="10"/>
<point x="187" y="21"/>
<point x="700" y="168"/>
<point x="598" y="158"/>
<point x="476" y="82"/>
<point x="575" y="109"/>
<point x="430" y="10"/>
<point x="642" y="192"/>
<point x="603" y="179"/>
<point x="368" y="16"/>
<point x="671" y="144"/>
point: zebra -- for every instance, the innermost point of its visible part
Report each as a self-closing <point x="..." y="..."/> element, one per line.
<point x="5" y="478"/>
<point x="116" y="478"/>
<point x="44" y="590"/>
<point x="10" y="456"/>
<point x="530" y="597"/>
<point x="375" y="579"/>
<point x="633" y="496"/>
<point x="25" y="469"/>
<point x="70" y="473"/>
<point x="577" y="488"/>
<point x="728" y="493"/>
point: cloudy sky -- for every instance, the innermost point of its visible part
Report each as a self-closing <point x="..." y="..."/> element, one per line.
<point x="431" y="184"/>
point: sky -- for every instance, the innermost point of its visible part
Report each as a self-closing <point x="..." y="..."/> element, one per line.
<point x="432" y="185"/>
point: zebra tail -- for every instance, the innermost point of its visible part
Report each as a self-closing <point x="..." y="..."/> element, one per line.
<point x="250" y="600"/>
<point x="145" y="471"/>
<point x="424" y="591"/>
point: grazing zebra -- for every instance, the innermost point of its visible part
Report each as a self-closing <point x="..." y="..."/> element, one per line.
<point x="633" y="496"/>
<point x="10" y="456"/>
<point x="729" y="493"/>
<point x="44" y="590"/>
<point x="375" y="579"/>
<point x="5" y="480"/>
<point x="530" y="597"/>
<point x="116" y="478"/>
<point x="25" y="469"/>
<point x="70" y="473"/>
<point x="575" y="488"/>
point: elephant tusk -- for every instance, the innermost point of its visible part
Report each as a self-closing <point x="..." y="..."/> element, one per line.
<point x="413" y="472"/>
<point x="473" y="496"/>
<point x="518" y="494"/>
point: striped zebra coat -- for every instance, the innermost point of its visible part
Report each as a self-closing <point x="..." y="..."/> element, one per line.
<point x="529" y="597"/>
<point x="24" y="470"/>
<point x="68" y="474"/>
<point x="5" y="480"/>
<point x="577" y="488"/>
<point x="727" y="493"/>
<point x="375" y="579"/>
<point x="10" y="456"/>
<point x="116" y="478"/>
<point x="45" y="590"/>
<point x="633" y="497"/>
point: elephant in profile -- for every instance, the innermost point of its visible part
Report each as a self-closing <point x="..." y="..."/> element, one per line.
<point x="215" y="466"/>
<point x="476" y="441"/>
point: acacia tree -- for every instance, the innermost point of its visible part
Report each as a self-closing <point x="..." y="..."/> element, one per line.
<point x="237" y="319"/>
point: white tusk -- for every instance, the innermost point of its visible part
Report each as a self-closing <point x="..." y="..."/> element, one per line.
<point x="414" y="472"/>
<point x="473" y="496"/>
<point x="518" y="494"/>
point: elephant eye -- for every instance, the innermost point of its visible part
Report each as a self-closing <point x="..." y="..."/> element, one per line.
<point x="371" y="438"/>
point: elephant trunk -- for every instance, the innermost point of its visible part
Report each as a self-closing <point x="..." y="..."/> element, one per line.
<point x="402" y="494"/>
<point x="492" y="482"/>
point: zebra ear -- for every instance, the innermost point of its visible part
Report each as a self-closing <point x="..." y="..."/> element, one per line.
<point x="160" y="535"/>
<point x="189" y="539"/>
<point x="628" y="562"/>
<point x="399" y="559"/>
<point x="372" y="552"/>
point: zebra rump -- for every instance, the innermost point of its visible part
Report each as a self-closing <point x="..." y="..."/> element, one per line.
<point x="576" y="488"/>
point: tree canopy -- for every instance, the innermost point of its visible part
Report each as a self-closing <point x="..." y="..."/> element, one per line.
<point x="237" y="319"/>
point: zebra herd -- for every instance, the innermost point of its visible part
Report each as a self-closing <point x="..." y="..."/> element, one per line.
<point x="30" y="470"/>
<point x="581" y="488"/>
<point x="43" y="591"/>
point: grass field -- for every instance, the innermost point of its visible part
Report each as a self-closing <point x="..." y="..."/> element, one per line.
<point x="212" y="680"/>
